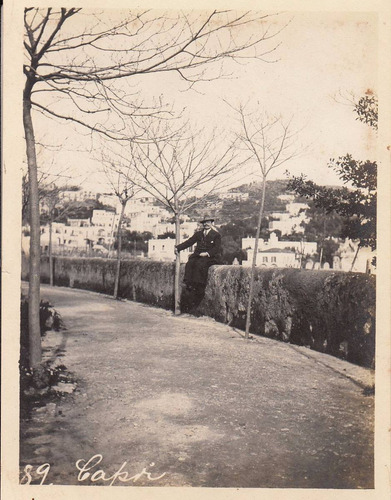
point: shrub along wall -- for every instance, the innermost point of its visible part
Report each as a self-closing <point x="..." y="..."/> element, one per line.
<point x="332" y="312"/>
<point x="143" y="281"/>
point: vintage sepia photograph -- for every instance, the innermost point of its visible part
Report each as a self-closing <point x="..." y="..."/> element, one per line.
<point x="192" y="199"/>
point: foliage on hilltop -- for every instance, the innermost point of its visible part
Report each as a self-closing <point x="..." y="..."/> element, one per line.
<point x="135" y="242"/>
<point x="324" y="228"/>
<point x="357" y="204"/>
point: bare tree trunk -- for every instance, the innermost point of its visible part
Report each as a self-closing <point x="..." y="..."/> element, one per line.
<point x="321" y="257"/>
<point x="254" y="261"/>
<point x="177" y="298"/>
<point x="119" y="248"/>
<point x="111" y="236"/>
<point x="354" y="259"/>
<point x="322" y="244"/>
<point x="301" y="255"/>
<point x="51" y="280"/>
<point x="35" y="349"/>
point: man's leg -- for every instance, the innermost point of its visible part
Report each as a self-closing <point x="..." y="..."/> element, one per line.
<point x="189" y="271"/>
<point x="200" y="271"/>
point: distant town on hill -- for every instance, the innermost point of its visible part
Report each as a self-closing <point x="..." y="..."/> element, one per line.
<point x="240" y="203"/>
<point x="80" y="222"/>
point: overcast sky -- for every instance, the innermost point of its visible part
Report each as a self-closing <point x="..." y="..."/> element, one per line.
<point x="321" y="55"/>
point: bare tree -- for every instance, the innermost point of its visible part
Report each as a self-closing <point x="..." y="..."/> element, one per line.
<point x="180" y="172"/>
<point x="268" y="142"/>
<point x="74" y="59"/>
<point x="119" y="177"/>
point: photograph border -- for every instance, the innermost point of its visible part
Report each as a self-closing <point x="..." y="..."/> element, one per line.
<point x="12" y="158"/>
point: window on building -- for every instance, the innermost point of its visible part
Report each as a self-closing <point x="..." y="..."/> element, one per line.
<point x="264" y="259"/>
<point x="273" y="259"/>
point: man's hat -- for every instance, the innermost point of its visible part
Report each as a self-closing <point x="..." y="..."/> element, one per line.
<point x="207" y="219"/>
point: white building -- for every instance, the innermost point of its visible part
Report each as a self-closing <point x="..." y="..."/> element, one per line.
<point x="286" y="197"/>
<point x="141" y="204"/>
<point x="346" y="254"/>
<point x="295" y="209"/>
<point x="275" y="257"/>
<point x="163" y="249"/>
<point x="289" y="221"/>
<point x="66" y="239"/>
<point x="187" y="228"/>
<point x="144" y="221"/>
<point x="144" y="215"/>
<point x="109" y="199"/>
<point x="104" y="218"/>
<point x="142" y="212"/>
<point x="284" y="253"/>
<point x="79" y="195"/>
<point x="303" y="247"/>
<point x="234" y="195"/>
<point x="287" y="226"/>
<point x="78" y="222"/>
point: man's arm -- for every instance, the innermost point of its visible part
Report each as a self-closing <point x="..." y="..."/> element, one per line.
<point x="188" y="243"/>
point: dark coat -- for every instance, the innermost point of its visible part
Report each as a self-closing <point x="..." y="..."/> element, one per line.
<point x="210" y="243"/>
<point x="196" y="270"/>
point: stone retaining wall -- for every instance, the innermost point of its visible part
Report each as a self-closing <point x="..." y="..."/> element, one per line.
<point x="332" y="312"/>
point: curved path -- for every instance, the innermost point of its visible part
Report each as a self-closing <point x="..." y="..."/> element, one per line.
<point x="182" y="401"/>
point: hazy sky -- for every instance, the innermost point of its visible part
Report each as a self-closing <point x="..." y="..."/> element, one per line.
<point x="321" y="55"/>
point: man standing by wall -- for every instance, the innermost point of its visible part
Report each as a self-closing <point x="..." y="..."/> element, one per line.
<point x="206" y="254"/>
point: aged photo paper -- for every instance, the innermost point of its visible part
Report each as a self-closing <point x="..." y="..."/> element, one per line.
<point x="319" y="59"/>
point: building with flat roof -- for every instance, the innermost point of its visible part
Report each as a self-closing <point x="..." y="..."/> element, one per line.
<point x="290" y="221"/>
<point x="303" y="247"/>
<point x="164" y="250"/>
<point x="274" y="257"/>
<point x="276" y="253"/>
<point x="104" y="218"/>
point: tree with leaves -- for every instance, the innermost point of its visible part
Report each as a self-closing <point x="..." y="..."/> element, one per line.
<point x="134" y="241"/>
<point x="324" y="228"/>
<point x="356" y="204"/>
<point x="75" y="61"/>
<point x="234" y="231"/>
<point x="166" y="235"/>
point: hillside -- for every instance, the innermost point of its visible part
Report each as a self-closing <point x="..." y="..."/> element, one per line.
<point x="230" y="210"/>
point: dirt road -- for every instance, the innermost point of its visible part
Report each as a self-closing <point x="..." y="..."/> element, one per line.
<point x="182" y="401"/>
